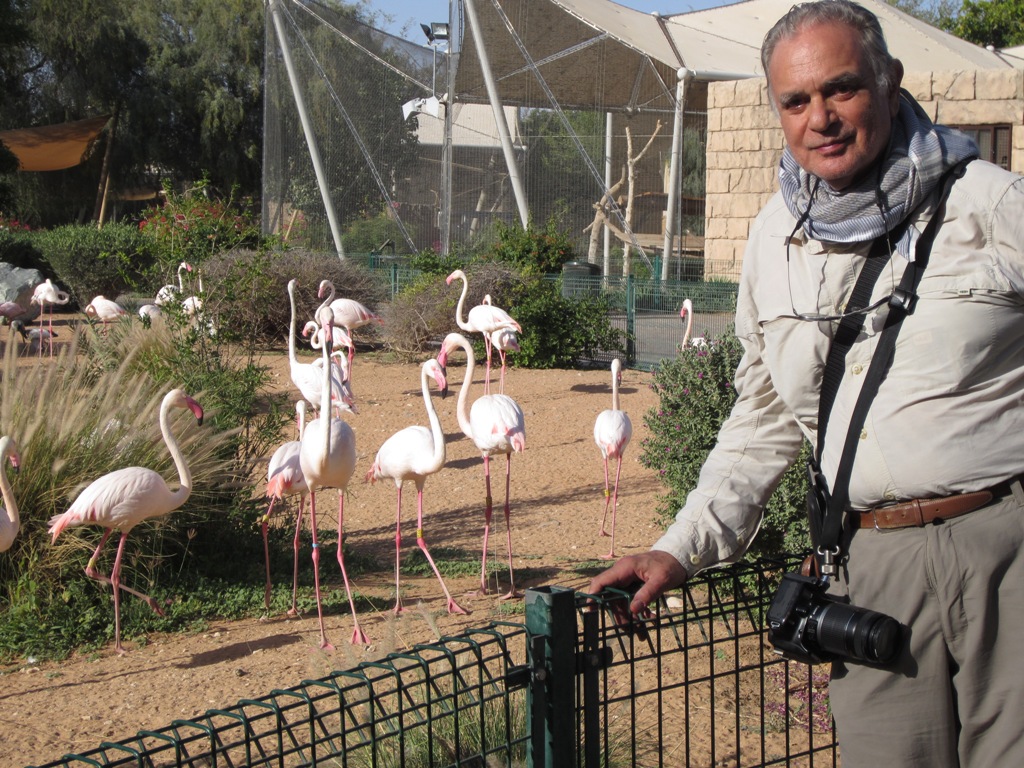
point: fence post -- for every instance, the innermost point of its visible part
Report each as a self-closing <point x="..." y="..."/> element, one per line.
<point x="552" y="632"/>
<point x="394" y="280"/>
<point x="630" y="321"/>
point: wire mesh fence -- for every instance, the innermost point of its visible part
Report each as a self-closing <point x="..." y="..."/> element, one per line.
<point x="694" y="685"/>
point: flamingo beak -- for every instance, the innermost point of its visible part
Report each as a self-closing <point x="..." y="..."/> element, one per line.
<point x="196" y="408"/>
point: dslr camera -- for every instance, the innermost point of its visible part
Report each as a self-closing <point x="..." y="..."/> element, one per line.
<point x="806" y="624"/>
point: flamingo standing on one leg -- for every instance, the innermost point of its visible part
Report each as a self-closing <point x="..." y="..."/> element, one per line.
<point x="504" y="340"/>
<point x="106" y="311"/>
<point x="46" y="293"/>
<point x="612" y="432"/>
<point x="171" y="292"/>
<point x="412" y="454"/>
<point x="124" y="498"/>
<point x="328" y="459"/>
<point x="348" y="314"/>
<point x="10" y="522"/>
<point x="495" y="424"/>
<point x="284" y="478"/>
<point x="483" y="318"/>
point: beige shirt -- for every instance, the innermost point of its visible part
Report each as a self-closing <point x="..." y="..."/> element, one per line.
<point x="948" y="417"/>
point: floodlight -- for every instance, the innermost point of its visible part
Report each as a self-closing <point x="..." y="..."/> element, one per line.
<point x="436" y="31"/>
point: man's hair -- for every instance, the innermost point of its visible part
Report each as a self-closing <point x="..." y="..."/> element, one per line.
<point x="850" y="14"/>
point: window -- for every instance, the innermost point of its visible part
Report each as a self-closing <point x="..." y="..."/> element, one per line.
<point x="992" y="140"/>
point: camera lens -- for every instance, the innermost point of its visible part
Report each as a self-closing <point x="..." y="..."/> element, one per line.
<point x="857" y="633"/>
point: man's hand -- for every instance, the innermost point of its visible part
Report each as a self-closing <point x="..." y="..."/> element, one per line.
<point x="659" y="572"/>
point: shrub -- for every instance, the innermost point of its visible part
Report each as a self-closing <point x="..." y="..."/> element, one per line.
<point x="532" y="250"/>
<point x="17" y="249"/>
<point x="696" y="394"/>
<point x="91" y="261"/>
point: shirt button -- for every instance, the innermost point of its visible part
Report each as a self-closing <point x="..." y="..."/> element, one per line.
<point x="695" y="559"/>
<point x="856" y="369"/>
<point x="890" y="496"/>
<point x="863" y="434"/>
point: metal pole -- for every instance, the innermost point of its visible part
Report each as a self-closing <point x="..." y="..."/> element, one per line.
<point x="445" y="208"/>
<point x="608" y="124"/>
<point x="499" y="114"/>
<point x="673" y="176"/>
<point x="551" y="628"/>
<point x="307" y="128"/>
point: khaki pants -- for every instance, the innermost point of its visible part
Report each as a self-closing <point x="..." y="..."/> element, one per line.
<point x="955" y="697"/>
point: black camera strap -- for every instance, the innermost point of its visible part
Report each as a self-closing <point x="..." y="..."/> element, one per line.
<point x="826" y="531"/>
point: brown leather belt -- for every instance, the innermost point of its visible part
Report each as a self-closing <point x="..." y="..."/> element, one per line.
<point x="919" y="512"/>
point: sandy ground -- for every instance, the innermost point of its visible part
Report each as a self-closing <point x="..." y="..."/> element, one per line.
<point x="50" y="709"/>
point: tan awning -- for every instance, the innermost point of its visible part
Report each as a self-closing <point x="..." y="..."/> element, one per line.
<point x="54" y="147"/>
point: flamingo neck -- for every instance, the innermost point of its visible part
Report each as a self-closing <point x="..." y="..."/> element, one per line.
<point x="291" y="327"/>
<point x="325" y="394"/>
<point x="184" y="473"/>
<point x="10" y="505"/>
<point x="330" y="296"/>
<point x="463" y="324"/>
<point x="435" y="423"/>
<point x="615" y="387"/>
<point x="467" y="380"/>
<point x="689" y="324"/>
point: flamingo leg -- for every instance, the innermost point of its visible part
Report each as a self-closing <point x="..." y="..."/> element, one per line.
<point x="615" y="507"/>
<point x="607" y="494"/>
<point x="453" y="607"/>
<point x="294" y="611"/>
<point x="42" y="333"/>
<point x="92" y="573"/>
<point x="512" y="593"/>
<point x="49" y="341"/>
<point x="398" y="551"/>
<point x="487" y="377"/>
<point x="264" y="528"/>
<point x="488" y="511"/>
<point x="501" y="384"/>
<point x="324" y="645"/>
<point x="358" y="636"/>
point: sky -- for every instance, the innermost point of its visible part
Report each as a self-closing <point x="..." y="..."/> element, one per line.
<point x="411" y="13"/>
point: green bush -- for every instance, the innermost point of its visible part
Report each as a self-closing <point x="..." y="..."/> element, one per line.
<point x="696" y="394"/>
<point x="531" y="250"/>
<point x="17" y="249"/>
<point x="90" y="261"/>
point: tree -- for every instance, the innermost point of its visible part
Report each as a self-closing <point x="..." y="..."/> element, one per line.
<point x="998" y="23"/>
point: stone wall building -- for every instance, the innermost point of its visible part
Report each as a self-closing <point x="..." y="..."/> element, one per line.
<point x="744" y="144"/>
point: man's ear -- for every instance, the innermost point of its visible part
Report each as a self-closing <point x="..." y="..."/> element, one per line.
<point x="897" y="80"/>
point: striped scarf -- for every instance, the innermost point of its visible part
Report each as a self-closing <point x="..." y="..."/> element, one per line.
<point x="919" y="153"/>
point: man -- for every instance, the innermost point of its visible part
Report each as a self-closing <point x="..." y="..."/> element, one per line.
<point x="862" y="158"/>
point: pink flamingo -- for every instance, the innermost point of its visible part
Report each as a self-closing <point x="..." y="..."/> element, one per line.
<point x="124" y="498"/>
<point x="11" y="310"/>
<point x="10" y="522"/>
<point x="46" y="293"/>
<point x="414" y="453"/>
<point x="504" y="340"/>
<point x="285" y="478"/>
<point x="348" y="313"/>
<point x="308" y="377"/>
<point x="495" y="424"/>
<point x="170" y="292"/>
<point x="483" y="318"/>
<point x="36" y="338"/>
<point x="105" y="310"/>
<point x="686" y="316"/>
<point x="327" y="457"/>
<point x="612" y="432"/>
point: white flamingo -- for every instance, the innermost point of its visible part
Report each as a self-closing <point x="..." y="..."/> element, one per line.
<point x="612" y="432"/>
<point x="348" y="313"/>
<point x="105" y="310"/>
<point x="285" y="478"/>
<point x="496" y="425"/>
<point x="47" y="294"/>
<point x="483" y="318"/>
<point x="504" y="340"/>
<point x="171" y="292"/>
<point x="328" y="460"/>
<point x="10" y="521"/>
<point x="308" y="377"/>
<point x="341" y="379"/>
<point x="686" y="316"/>
<point x="414" y="453"/>
<point x="150" y="312"/>
<point x="124" y="498"/>
<point x="193" y="305"/>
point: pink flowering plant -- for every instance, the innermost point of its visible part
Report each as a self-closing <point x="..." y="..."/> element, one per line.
<point x="696" y="393"/>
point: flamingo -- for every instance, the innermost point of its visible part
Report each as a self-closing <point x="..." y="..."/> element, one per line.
<point x="11" y="310"/>
<point x="414" y="453"/>
<point x="308" y="377"/>
<point x="10" y="522"/>
<point x="483" y="318"/>
<point x="285" y="478"/>
<point x="348" y="313"/>
<point x="150" y="312"/>
<point x="686" y="316"/>
<point x="504" y="340"/>
<point x="327" y="457"/>
<point x="612" y="432"/>
<point x="193" y="305"/>
<point x="105" y="310"/>
<point x="341" y="379"/>
<point x="47" y="293"/>
<point x="36" y="338"/>
<point x="124" y="498"/>
<point x="171" y="292"/>
<point x="495" y="424"/>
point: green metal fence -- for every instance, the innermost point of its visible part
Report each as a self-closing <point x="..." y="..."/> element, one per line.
<point x="694" y="685"/>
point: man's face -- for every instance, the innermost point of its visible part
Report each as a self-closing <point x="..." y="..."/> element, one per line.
<point x="835" y="117"/>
